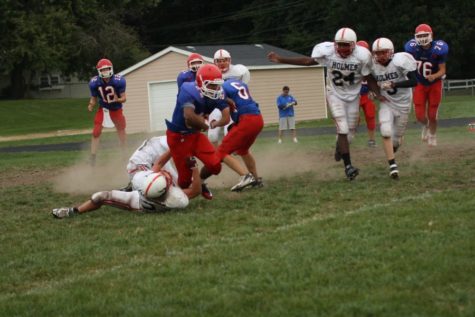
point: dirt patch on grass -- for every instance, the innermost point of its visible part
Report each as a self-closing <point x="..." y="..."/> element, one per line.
<point x="27" y="177"/>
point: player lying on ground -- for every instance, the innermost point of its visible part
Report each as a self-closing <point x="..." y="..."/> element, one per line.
<point x="155" y="192"/>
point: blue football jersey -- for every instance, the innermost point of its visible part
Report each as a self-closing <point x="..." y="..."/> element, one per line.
<point x="189" y="95"/>
<point x="185" y="76"/>
<point x="105" y="91"/>
<point x="428" y="60"/>
<point x="238" y="91"/>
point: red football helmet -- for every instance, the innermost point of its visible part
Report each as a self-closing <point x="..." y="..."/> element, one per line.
<point x="209" y="79"/>
<point x="423" y="34"/>
<point x="345" y="41"/>
<point x="104" y="68"/>
<point x="363" y="44"/>
<point x="194" y="62"/>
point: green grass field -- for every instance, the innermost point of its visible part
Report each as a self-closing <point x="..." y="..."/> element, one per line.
<point x="309" y="243"/>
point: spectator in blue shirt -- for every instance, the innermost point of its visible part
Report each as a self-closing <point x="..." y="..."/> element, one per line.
<point x="286" y="104"/>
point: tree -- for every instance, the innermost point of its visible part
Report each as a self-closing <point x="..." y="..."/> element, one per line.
<point x="67" y="36"/>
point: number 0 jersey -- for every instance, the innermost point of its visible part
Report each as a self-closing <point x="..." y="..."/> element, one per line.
<point x="105" y="92"/>
<point x="344" y="75"/>
<point x="395" y="71"/>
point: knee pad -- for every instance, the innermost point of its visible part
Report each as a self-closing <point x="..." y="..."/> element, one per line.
<point x="341" y="125"/>
<point x="385" y="129"/>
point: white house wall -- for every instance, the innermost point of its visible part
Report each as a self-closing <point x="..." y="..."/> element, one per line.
<point x="306" y="84"/>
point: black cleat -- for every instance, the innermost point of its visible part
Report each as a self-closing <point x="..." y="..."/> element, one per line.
<point x="205" y="192"/>
<point x="257" y="183"/>
<point x="394" y="172"/>
<point x="351" y="172"/>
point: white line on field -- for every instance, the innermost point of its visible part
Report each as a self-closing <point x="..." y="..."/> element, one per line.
<point x="49" y="285"/>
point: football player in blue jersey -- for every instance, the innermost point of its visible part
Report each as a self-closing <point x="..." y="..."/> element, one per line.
<point x="431" y="57"/>
<point x="195" y="101"/>
<point x="194" y="62"/>
<point x="109" y="90"/>
<point x="248" y="123"/>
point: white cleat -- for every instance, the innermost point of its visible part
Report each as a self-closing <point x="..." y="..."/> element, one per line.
<point x="431" y="139"/>
<point x="62" y="212"/>
<point x="246" y="180"/>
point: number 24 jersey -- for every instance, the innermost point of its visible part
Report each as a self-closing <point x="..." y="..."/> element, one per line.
<point x="344" y="75"/>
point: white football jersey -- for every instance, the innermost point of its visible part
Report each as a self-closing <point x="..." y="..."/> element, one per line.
<point x="148" y="153"/>
<point x="344" y="75"/>
<point x="239" y="72"/>
<point x="395" y="71"/>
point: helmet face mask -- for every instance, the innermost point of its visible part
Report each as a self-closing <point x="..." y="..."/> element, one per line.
<point x="222" y="59"/>
<point x="104" y="68"/>
<point x="209" y="80"/>
<point x="423" y="35"/>
<point x="194" y="62"/>
<point x="345" y="41"/>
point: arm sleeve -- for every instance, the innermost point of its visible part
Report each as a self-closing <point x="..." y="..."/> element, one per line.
<point x="410" y="82"/>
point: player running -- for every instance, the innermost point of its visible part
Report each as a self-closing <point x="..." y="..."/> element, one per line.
<point x="347" y="65"/>
<point x="396" y="75"/>
<point x="431" y="57"/>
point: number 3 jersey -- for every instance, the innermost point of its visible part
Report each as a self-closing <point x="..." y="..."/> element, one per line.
<point x="105" y="92"/>
<point x="428" y="60"/>
<point x="344" y="75"/>
<point x="395" y="71"/>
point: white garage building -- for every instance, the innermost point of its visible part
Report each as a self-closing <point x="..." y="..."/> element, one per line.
<point x="152" y="88"/>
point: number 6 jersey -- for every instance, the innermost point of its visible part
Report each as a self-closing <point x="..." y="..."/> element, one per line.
<point x="344" y="75"/>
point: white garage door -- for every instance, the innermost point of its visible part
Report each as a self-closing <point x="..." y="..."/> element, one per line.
<point x="162" y="103"/>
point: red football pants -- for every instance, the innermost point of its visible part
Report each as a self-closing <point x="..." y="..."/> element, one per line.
<point x="427" y="100"/>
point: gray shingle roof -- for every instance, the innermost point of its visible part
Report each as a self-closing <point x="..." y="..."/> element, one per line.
<point x="246" y="54"/>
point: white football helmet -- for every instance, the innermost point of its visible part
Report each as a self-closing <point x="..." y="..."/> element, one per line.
<point x="156" y="184"/>
<point x="383" y="50"/>
<point x="423" y="34"/>
<point x="345" y="41"/>
<point x="222" y="59"/>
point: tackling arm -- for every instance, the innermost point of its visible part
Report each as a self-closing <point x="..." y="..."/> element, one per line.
<point x="161" y="161"/>
<point x="195" y="187"/>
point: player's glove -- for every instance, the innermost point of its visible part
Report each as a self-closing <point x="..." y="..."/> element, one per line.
<point x="191" y="162"/>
